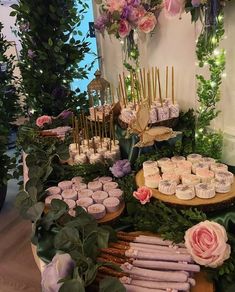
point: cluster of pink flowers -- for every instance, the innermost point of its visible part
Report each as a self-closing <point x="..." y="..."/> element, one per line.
<point x="120" y="17"/>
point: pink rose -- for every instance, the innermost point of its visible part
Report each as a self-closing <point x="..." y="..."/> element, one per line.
<point x="124" y="28"/>
<point x="136" y="13"/>
<point x="43" y="120"/>
<point x="147" y="22"/>
<point x="143" y="194"/>
<point x="206" y="242"/>
<point x="174" y="7"/>
<point x="115" y="5"/>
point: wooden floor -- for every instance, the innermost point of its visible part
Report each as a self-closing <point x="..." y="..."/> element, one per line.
<point x="18" y="271"/>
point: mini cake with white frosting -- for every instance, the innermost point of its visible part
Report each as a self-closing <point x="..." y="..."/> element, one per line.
<point x="77" y="180"/>
<point x="205" y="190"/>
<point x="194" y="157"/>
<point x="222" y="186"/>
<point x="117" y="193"/>
<point x="64" y="185"/>
<point x="152" y="181"/>
<point x="205" y="175"/>
<point x="199" y="165"/>
<point x="190" y="179"/>
<point x="79" y="187"/>
<point x="85" y="193"/>
<point x="168" y="167"/>
<point x="95" y="186"/>
<point x="84" y="202"/>
<point x="111" y="204"/>
<point x="225" y="175"/>
<point x="218" y="167"/>
<point x="53" y="191"/>
<point x="177" y="158"/>
<point x="70" y="194"/>
<point x="98" y="211"/>
<point x="207" y="160"/>
<point x="109" y="186"/>
<point x="50" y="198"/>
<point x="163" y="160"/>
<point x="99" y="196"/>
<point x="185" y="192"/>
<point x="105" y="179"/>
<point x="150" y="167"/>
<point x="167" y="187"/>
<point x="171" y="176"/>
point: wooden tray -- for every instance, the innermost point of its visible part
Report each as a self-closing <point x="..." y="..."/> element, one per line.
<point x="220" y="201"/>
<point x="109" y="217"/>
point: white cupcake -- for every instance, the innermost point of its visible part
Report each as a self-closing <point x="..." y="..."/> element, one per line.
<point x="205" y="190"/>
<point x="98" y="211"/>
<point x="225" y="175"/>
<point x="152" y="181"/>
<point x="70" y="194"/>
<point x="150" y="167"/>
<point x="194" y="157"/>
<point x="167" y="187"/>
<point x="185" y="192"/>
<point x="190" y="179"/>
<point x="218" y="167"/>
<point x="99" y="196"/>
<point x="163" y="160"/>
<point x="64" y="185"/>
<point x="222" y="186"/>
<point x="111" y="204"/>
<point x="84" y="202"/>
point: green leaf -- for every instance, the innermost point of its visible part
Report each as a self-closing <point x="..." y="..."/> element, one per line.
<point x="67" y="239"/>
<point x="103" y="237"/>
<point x="72" y="285"/>
<point x="35" y="212"/>
<point x="50" y="42"/>
<point x="111" y="284"/>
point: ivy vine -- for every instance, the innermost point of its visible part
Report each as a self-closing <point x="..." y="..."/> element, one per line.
<point x="209" y="143"/>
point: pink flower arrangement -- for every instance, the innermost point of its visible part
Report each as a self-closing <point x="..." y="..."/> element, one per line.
<point x="41" y="121"/>
<point x="147" y="22"/>
<point x="143" y="194"/>
<point x="206" y="242"/>
<point x="122" y="16"/>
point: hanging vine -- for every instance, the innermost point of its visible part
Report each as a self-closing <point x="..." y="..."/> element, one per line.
<point x="209" y="54"/>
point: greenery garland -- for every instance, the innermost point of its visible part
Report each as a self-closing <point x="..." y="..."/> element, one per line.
<point x="9" y="106"/>
<point x="50" y="55"/>
<point x="207" y="142"/>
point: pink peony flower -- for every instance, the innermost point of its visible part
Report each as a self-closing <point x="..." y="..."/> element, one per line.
<point x="136" y="13"/>
<point x="115" y="5"/>
<point x="143" y="194"/>
<point x="147" y="23"/>
<point x="206" y="242"/>
<point x="174" y="7"/>
<point x="43" y="120"/>
<point x="124" y="28"/>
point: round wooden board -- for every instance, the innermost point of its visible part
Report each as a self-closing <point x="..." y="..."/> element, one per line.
<point x="109" y="217"/>
<point x="218" y="202"/>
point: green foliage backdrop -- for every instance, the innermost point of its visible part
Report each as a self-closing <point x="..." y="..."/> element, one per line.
<point x="50" y="55"/>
